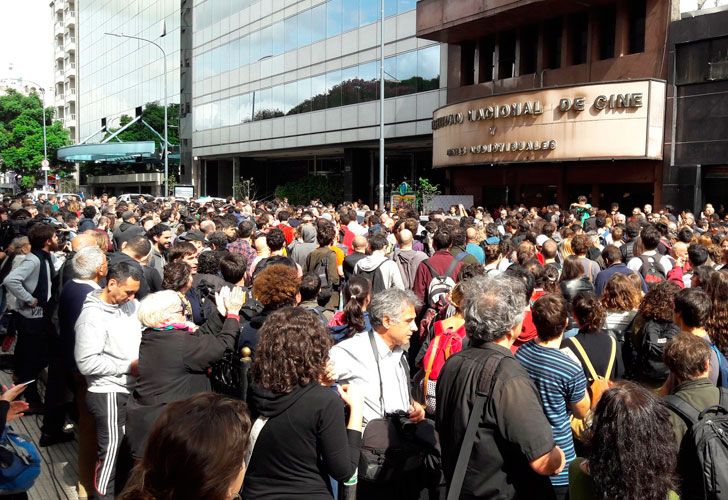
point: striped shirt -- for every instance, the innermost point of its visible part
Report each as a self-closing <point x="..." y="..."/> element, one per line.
<point x="559" y="381"/>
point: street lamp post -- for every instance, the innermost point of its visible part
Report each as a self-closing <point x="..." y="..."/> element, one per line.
<point x="166" y="143"/>
<point x="381" y="105"/>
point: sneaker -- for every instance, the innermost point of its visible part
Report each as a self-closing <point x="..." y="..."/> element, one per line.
<point x="51" y="439"/>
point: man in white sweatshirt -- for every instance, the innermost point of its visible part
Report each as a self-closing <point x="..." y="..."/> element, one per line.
<point x="108" y="335"/>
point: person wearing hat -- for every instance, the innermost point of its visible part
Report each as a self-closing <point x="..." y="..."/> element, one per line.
<point x="196" y="238"/>
<point x="127" y="229"/>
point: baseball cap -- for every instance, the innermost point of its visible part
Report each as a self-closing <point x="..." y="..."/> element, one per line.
<point x="193" y="235"/>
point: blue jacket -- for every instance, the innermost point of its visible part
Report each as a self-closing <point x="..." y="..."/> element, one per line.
<point x="601" y="280"/>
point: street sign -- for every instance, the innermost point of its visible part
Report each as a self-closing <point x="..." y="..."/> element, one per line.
<point x="45" y="165"/>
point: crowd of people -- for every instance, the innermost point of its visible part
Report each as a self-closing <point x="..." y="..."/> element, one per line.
<point x="259" y="350"/>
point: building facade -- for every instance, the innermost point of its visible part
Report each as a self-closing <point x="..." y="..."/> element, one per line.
<point x="548" y="100"/>
<point x="284" y="89"/>
<point x="697" y="159"/>
<point x="65" y="65"/>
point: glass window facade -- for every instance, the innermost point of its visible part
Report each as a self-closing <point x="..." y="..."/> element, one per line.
<point x="309" y="26"/>
<point x="116" y="74"/>
<point x="406" y="73"/>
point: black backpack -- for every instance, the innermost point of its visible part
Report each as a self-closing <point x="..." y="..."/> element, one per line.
<point x="321" y="269"/>
<point x="374" y="277"/>
<point x="703" y="454"/>
<point x="650" y="364"/>
<point x="651" y="271"/>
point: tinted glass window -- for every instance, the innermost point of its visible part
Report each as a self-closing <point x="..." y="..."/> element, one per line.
<point x="407" y="73"/>
<point x="333" y="88"/>
<point x="318" y="23"/>
<point x="350" y="15"/>
<point x="368" y="12"/>
<point x="290" y="28"/>
<point x="350" y="86"/>
<point x="333" y="17"/>
<point x="318" y="92"/>
<point x="428" y="68"/>
<point x="304" y="28"/>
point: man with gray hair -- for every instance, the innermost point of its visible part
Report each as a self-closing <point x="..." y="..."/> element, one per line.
<point x="89" y="267"/>
<point x="512" y="450"/>
<point x="375" y="362"/>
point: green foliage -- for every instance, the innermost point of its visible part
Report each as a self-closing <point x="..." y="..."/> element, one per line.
<point x="425" y="192"/>
<point x="153" y="114"/>
<point x="21" y="137"/>
<point x="244" y="189"/>
<point x="328" y="189"/>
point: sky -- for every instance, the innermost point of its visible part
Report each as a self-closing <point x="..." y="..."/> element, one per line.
<point x="26" y="41"/>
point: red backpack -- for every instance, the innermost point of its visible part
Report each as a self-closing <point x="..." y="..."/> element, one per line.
<point x="444" y="344"/>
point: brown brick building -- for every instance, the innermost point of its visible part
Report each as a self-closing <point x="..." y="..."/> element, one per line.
<point x="549" y="99"/>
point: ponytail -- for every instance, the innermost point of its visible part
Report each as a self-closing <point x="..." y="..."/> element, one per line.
<point x="354" y="316"/>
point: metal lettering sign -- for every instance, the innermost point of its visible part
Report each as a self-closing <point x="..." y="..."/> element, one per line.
<point x="602" y="121"/>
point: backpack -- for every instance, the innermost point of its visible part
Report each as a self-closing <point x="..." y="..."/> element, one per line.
<point x="722" y="366"/>
<point x="441" y="284"/>
<point x="650" y="362"/>
<point x="321" y="269"/>
<point x="703" y="454"/>
<point x="374" y="277"/>
<point x="444" y="344"/>
<point x="19" y="462"/>
<point x="597" y="386"/>
<point x="651" y="271"/>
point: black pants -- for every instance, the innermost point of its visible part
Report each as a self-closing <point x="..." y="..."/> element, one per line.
<point x="31" y="354"/>
<point x="109" y="412"/>
<point x="60" y="390"/>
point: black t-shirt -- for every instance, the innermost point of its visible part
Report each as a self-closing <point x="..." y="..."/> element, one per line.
<point x="514" y="430"/>
<point x="597" y="346"/>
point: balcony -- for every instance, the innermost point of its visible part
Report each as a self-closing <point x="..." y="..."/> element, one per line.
<point x="59" y="101"/>
<point x="59" y="5"/>
<point x="69" y="17"/>
<point x="70" y="69"/>
<point x="70" y="95"/>
<point x="59" y="76"/>
<point x="69" y="42"/>
<point x="58" y="28"/>
<point x="69" y="119"/>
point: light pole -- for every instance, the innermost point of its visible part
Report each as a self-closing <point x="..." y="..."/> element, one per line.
<point x="381" y="105"/>
<point x="166" y="143"/>
<point x="45" y="141"/>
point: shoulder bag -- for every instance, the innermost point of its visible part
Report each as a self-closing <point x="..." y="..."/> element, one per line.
<point x="598" y="385"/>
<point x="486" y="383"/>
<point x="392" y="445"/>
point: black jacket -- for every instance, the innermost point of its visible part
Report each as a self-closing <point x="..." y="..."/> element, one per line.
<point x="145" y="287"/>
<point x="304" y="441"/>
<point x="125" y="232"/>
<point x="570" y="288"/>
<point x="173" y="366"/>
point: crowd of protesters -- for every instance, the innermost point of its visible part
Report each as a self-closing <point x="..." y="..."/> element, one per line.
<point x="237" y="349"/>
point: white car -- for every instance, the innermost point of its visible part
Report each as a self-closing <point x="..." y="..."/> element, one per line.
<point x="133" y="197"/>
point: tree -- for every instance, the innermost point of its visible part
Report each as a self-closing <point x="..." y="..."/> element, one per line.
<point x="21" y="137"/>
<point x="153" y="114"/>
<point x="426" y="192"/>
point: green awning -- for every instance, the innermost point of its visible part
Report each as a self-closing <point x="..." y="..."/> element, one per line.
<point x="112" y="152"/>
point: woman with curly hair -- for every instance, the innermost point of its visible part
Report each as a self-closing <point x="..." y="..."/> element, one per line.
<point x="303" y="439"/>
<point x="274" y="287"/>
<point x="592" y="341"/>
<point x="631" y="456"/>
<point x="654" y="326"/>
<point x="212" y="433"/>
<point x="717" y="325"/>
<point x="620" y="300"/>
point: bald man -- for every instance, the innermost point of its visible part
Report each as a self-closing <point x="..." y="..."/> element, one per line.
<point x="472" y="247"/>
<point x="406" y="258"/>
<point x="82" y="240"/>
<point x="359" y="247"/>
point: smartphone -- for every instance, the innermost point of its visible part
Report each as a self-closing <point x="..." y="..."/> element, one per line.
<point x="28" y="382"/>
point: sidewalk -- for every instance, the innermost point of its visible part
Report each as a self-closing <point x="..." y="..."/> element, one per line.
<point x="59" y="467"/>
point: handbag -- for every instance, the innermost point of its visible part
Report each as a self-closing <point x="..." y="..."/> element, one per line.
<point x="19" y="462"/>
<point x="393" y="445"/>
<point x="229" y="375"/>
<point x="599" y="384"/>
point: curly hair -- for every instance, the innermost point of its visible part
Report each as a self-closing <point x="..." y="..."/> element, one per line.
<point x="659" y="302"/>
<point x="276" y="286"/>
<point x="631" y="456"/>
<point x="717" y="324"/>
<point x="620" y="294"/>
<point x="588" y="311"/>
<point x="292" y="351"/>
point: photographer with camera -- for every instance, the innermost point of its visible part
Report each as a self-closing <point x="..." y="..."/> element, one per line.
<point x="31" y="283"/>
